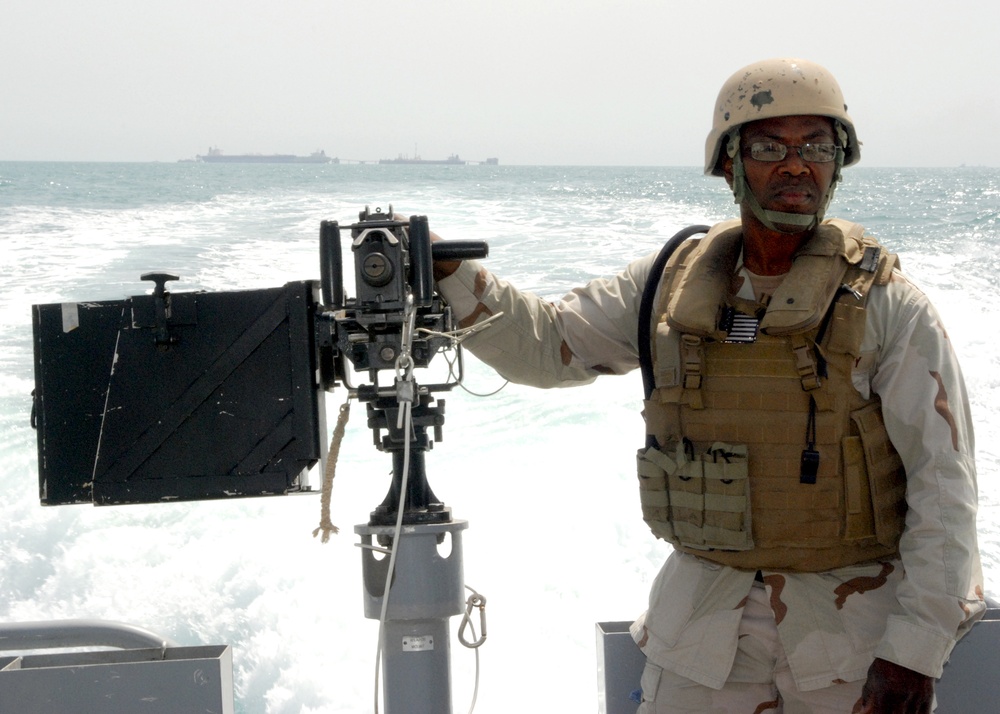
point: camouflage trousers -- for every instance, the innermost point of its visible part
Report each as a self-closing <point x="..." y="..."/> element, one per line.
<point x="759" y="683"/>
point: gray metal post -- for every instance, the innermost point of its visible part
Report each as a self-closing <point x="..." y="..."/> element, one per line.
<point x="427" y="589"/>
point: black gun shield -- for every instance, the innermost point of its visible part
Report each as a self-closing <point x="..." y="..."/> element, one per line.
<point x="229" y="408"/>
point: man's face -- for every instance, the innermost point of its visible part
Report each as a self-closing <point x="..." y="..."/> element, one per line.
<point x="791" y="184"/>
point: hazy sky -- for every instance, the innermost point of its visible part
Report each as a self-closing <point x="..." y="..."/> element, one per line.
<point x="628" y="82"/>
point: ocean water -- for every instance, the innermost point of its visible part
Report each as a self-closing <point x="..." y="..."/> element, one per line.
<point x="545" y="478"/>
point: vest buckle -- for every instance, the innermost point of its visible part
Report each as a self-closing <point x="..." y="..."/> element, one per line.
<point x="692" y="358"/>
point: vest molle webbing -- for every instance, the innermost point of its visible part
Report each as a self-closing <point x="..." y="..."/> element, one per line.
<point x="765" y="455"/>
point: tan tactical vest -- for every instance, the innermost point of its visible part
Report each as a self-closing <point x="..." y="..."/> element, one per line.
<point x="765" y="455"/>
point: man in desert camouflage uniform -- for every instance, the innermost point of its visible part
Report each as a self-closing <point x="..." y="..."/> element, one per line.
<point x="809" y="450"/>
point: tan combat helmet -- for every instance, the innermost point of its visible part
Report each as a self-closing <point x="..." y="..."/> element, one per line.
<point x="777" y="88"/>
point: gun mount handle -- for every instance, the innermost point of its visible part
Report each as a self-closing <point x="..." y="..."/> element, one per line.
<point x="162" y="307"/>
<point x="160" y="279"/>
<point x="460" y="249"/>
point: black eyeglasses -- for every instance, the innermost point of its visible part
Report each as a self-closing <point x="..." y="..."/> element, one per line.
<point x="773" y="151"/>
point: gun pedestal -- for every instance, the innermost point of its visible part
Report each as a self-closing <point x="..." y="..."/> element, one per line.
<point x="397" y="322"/>
<point x="408" y="448"/>
<point x="427" y="589"/>
<point x="426" y="574"/>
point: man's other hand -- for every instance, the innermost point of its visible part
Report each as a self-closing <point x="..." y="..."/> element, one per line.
<point x="894" y="689"/>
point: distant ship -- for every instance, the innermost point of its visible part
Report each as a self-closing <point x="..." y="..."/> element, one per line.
<point x="216" y="156"/>
<point x="452" y="160"/>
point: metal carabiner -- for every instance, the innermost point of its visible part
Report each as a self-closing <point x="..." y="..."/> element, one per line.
<point x="475" y="600"/>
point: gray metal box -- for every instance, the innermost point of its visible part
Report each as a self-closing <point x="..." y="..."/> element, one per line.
<point x="619" y="668"/>
<point x="174" y="680"/>
<point x="969" y="682"/>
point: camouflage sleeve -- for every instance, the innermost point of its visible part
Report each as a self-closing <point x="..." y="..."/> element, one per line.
<point x="927" y="415"/>
<point x="589" y="332"/>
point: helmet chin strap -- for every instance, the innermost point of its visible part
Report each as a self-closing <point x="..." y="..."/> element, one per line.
<point x="779" y="221"/>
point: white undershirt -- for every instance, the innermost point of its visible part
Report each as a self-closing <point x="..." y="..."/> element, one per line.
<point x="759" y="288"/>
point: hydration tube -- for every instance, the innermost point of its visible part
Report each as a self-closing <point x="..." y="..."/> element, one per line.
<point x="646" y="305"/>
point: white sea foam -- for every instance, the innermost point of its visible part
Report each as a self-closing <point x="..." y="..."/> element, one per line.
<point x="545" y="478"/>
